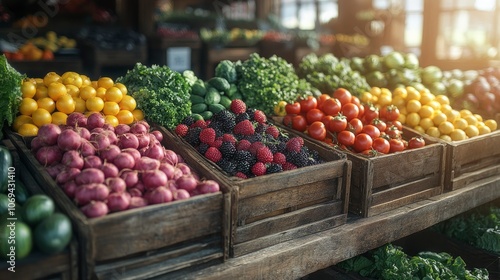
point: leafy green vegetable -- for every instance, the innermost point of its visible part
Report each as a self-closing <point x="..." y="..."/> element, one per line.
<point x="389" y="262"/>
<point x="327" y="73"/>
<point x="10" y="93"/>
<point x="163" y="94"/>
<point x="263" y="82"/>
<point x="190" y="77"/>
<point x="227" y="70"/>
<point x="479" y="228"/>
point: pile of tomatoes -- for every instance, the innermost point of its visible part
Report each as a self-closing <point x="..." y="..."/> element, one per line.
<point x="341" y="119"/>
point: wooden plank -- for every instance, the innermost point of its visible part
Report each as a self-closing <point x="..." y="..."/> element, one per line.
<point x="317" y="251"/>
<point x="286" y="221"/>
<point x="405" y="189"/>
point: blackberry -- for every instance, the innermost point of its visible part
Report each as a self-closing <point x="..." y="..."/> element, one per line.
<point x="251" y="113"/>
<point x="225" y="120"/>
<point x="192" y="136"/>
<point x="300" y="159"/>
<point x="244" y="167"/>
<point x="261" y="128"/>
<point x="274" y="168"/>
<point x="227" y="166"/>
<point x="315" y="155"/>
<point x="273" y="147"/>
<point x="242" y="117"/>
<point x="283" y="138"/>
<point x="253" y="138"/>
<point x="188" y="120"/>
<point x="280" y="147"/>
<point x="228" y="149"/>
<point x="245" y="156"/>
<point x="202" y="148"/>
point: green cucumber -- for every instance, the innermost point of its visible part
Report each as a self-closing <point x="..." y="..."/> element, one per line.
<point x="196" y="99"/>
<point x="216" y="108"/>
<point x="207" y="115"/>
<point x="198" y="108"/>
<point x="212" y="96"/>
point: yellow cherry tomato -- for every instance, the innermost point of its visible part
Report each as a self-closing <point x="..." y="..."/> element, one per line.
<point x="413" y="106"/>
<point x="446" y="127"/>
<point x="112" y="120"/>
<point x="138" y="115"/>
<point x="66" y="104"/>
<point x="492" y="124"/>
<point x="113" y="94"/>
<point x="56" y="90"/>
<point x="413" y="119"/>
<point x="51" y="77"/>
<point x="20" y="120"/>
<point x="80" y="105"/>
<point x="483" y="129"/>
<point x="41" y="91"/>
<point x="41" y="117"/>
<point x="105" y="82"/>
<point x="59" y="118"/>
<point x="73" y="90"/>
<point x="87" y="92"/>
<point x="460" y="123"/>
<point x="425" y="123"/>
<point x="122" y="88"/>
<point x="111" y="108"/>
<point x="279" y="109"/>
<point x="28" y="89"/>
<point x="426" y="111"/>
<point x="95" y="104"/>
<point x="28" y="130"/>
<point x="28" y="106"/>
<point x="439" y="118"/>
<point x="433" y="131"/>
<point x="46" y="103"/>
<point x="128" y="103"/>
<point x="72" y="78"/>
<point x="457" y="135"/>
<point x="471" y="131"/>
<point x="125" y="117"/>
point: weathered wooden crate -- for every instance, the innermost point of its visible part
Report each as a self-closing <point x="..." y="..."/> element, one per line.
<point x="37" y="265"/>
<point x="145" y="242"/>
<point x="274" y="208"/>
<point x="429" y="240"/>
<point x="387" y="182"/>
<point x="471" y="160"/>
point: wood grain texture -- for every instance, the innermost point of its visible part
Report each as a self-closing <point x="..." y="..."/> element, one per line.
<point x="299" y="257"/>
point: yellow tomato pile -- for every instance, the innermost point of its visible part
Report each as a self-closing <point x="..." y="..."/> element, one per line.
<point x="52" y="98"/>
<point x="430" y="114"/>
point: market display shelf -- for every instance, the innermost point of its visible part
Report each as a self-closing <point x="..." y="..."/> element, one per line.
<point x="302" y="256"/>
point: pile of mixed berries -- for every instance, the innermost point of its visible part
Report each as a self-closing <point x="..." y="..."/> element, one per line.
<point x="243" y="143"/>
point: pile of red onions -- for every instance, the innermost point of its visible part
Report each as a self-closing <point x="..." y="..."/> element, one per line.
<point x="107" y="169"/>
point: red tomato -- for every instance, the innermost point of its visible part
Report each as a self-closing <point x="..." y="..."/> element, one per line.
<point x="355" y="100"/>
<point x="343" y="95"/>
<point x="337" y="124"/>
<point x="397" y="124"/>
<point x="380" y="124"/>
<point x="299" y="123"/>
<point x="416" y="142"/>
<point x="396" y="145"/>
<point x="393" y="132"/>
<point x="389" y="113"/>
<point x="326" y="120"/>
<point x="314" y="115"/>
<point x="287" y="120"/>
<point x="292" y="108"/>
<point x="381" y="145"/>
<point x="317" y="130"/>
<point x="331" y="106"/>
<point x="350" y="111"/>
<point x="308" y="103"/>
<point x="369" y="153"/>
<point x="355" y="125"/>
<point x="361" y="111"/>
<point x="322" y="99"/>
<point x="346" y="138"/>
<point x="371" y="113"/>
<point x="362" y="142"/>
<point x="371" y="130"/>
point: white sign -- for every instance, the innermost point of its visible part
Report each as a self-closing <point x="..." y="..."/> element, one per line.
<point x="179" y="58"/>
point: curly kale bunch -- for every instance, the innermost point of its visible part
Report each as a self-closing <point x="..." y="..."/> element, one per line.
<point x="263" y="82"/>
<point x="10" y="93"/>
<point x="160" y="92"/>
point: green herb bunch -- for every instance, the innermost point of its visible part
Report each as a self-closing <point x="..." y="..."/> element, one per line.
<point x="263" y="82"/>
<point x="10" y="93"/>
<point x="160" y="92"/>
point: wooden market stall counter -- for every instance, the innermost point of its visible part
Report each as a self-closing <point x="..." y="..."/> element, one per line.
<point x="302" y="256"/>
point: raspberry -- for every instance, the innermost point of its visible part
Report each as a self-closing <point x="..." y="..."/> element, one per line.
<point x="207" y="135"/>
<point x="279" y="158"/>
<point x="243" y="145"/>
<point x="295" y="144"/>
<point x="181" y="129"/>
<point x="238" y="106"/>
<point x="255" y="146"/>
<point x="244" y="128"/>
<point x="259" y="169"/>
<point x="199" y="123"/>
<point x="273" y="131"/>
<point x="241" y="175"/>
<point x="264" y="155"/>
<point x="288" y="166"/>
<point x="217" y="143"/>
<point x="213" y="154"/>
<point x="229" y="138"/>
<point x="259" y="116"/>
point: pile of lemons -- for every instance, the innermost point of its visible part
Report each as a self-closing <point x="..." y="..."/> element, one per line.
<point x="430" y="114"/>
<point x="52" y="98"/>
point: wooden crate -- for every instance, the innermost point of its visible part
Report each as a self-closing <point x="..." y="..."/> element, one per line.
<point x="37" y="265"/>
<point x="471" y="160"/>
<point x="270" y="209"/>
<point x="429" y="240"/>
<point x="387" y="182"/>
<point x="148" y="241"/>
